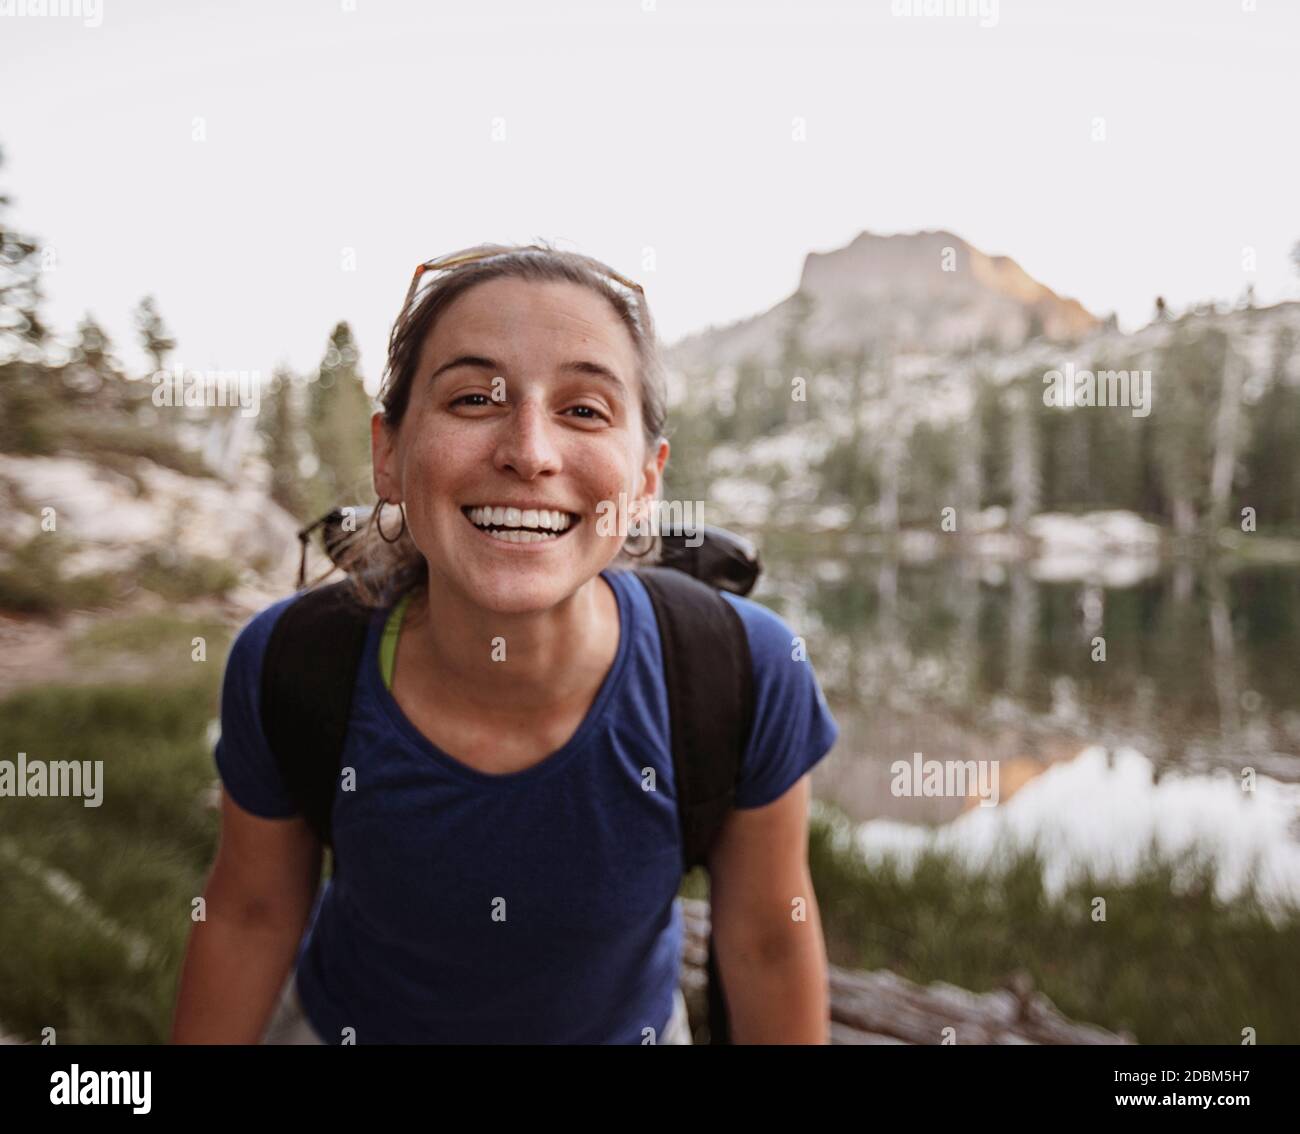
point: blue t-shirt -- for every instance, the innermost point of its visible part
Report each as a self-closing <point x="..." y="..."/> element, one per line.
<point x="535" y="906"/>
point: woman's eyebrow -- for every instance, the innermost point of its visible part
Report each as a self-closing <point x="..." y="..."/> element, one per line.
<point x="581" y="365"/>
<point x="464" y="360"/>
<point x="597" y="370"/>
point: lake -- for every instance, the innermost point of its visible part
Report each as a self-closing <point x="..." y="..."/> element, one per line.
<point x="1164" y="710"/>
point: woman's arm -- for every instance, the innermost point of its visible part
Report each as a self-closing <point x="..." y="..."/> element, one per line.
<point x="258" y="898"/>
<point x="766" y="925"/>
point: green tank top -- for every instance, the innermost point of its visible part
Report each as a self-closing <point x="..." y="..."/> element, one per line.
<point x="388" y="641"/>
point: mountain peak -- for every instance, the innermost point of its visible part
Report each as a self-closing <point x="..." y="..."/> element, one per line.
<point x="927" y="292"/>
<point x="949" y="286"/>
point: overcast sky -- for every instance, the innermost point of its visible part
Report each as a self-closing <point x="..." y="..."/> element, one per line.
<point x="326" y="129"/>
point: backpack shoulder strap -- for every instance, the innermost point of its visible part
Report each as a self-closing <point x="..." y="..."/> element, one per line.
<point x="709" y="676"/>
<point x="707" y="670"/>
<point x="308" y="673"/>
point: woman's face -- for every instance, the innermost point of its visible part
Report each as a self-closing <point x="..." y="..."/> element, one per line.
<point x="526" y="397"/>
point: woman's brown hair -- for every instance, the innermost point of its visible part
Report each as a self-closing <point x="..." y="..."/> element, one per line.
<point x="381" y="570"/>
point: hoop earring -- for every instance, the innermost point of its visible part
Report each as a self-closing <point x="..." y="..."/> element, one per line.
<point x="644" y="549"/>
<point x="380" y="527"/>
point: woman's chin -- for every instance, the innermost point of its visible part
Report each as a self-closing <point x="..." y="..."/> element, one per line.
<point x="519" y="584"/>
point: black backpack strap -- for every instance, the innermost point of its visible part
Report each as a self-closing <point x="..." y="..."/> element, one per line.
<point x="308" y="673"/>
<point x="709" y="675"/>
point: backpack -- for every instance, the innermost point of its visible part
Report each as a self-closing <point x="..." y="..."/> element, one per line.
<point x="316" y="647"/>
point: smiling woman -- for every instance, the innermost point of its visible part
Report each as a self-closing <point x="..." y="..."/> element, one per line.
<point x="507" y="837"/>
<point x="505" y="367"/>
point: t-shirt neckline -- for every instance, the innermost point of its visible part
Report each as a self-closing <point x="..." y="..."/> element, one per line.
<point x="415" y="739"/>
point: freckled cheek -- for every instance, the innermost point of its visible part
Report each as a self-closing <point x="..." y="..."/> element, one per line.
<point x="599" y="472"/>
<point x="443" y="455"/>
<point x="434" y="473"/>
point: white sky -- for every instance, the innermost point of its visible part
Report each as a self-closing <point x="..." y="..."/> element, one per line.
<point x="626" y="130"/>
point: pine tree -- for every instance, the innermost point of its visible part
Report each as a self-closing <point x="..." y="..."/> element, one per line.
<point x="154" y="336"/>
<point x="1024" y="472"/>
<point x="279" y="424"/>
<point x="1272" y="473"/>
<point x="338" y="424"/>
<point x="92" y="376"/>
<point x="1191" y="367"/>
<point x="969" y="444"/>
<point x="20" y="288"/>
<point x="24" y="424"/>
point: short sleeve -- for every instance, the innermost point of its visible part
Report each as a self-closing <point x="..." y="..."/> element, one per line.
<point x="793" y="728"/>
<point x="244" y="760"/>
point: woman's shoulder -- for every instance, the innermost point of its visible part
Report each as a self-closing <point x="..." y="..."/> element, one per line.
<point x="793" y="728"/>
<point x="766" y="629"/>
<point x="244" y="760"/>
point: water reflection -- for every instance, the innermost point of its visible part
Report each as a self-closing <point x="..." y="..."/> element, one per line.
<point x="1193" y="667"/>
<point x="1103" y="809"/>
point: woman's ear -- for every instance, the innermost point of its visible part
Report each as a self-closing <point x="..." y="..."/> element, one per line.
<point x="651" y="478"/>
<point x="383" y="446"/>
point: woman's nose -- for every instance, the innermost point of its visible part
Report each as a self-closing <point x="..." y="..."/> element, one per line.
<point x="526" y="443"/>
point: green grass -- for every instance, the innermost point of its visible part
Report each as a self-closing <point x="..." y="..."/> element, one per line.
<point x="1274" y="546"/>
<point x="31" y="582"/>
<point x="139" y="859"/>
<point x="1170" y="964"/>
<point x="181" y="579"/>
<point x="161" y="637"/>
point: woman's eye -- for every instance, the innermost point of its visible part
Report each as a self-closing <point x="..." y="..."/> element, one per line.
<point x="596" y="415"/>
<point x="589" y="413"/>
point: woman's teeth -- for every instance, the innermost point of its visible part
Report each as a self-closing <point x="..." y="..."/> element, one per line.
<point x="518" y="535"/>
<point x="513" y="525"/>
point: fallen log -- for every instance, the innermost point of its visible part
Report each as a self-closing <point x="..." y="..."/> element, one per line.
<point x="880" y="1007"/>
